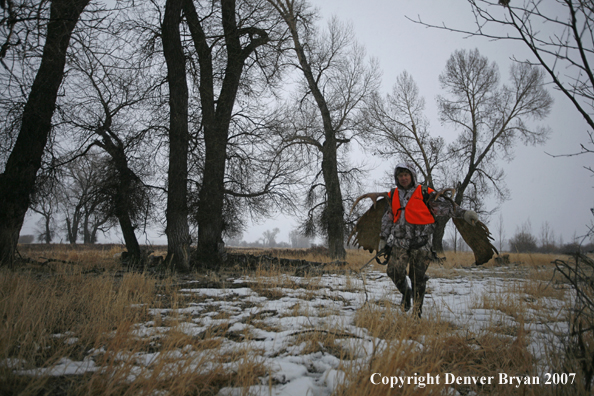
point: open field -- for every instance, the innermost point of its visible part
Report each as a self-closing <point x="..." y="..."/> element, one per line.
<point x="85" y="325"/>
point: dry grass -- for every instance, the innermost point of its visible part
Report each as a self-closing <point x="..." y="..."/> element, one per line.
<point x="59" y="310"/>
<point x="64" y="315"/>
<point x="444" y="349"/>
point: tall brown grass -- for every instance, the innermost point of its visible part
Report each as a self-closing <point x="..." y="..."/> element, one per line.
<point x="85" y="307"/>
<point x="63" y="315"/>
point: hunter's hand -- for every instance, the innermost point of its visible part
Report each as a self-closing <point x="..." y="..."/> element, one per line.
<point x="382" y="245"/>
<point x="471" y="217"/>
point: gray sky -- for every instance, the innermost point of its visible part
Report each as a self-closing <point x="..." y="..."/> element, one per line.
<point x="543" y="188"/>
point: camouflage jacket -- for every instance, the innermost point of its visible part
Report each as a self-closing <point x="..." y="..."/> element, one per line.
<point x="404" y="235"/>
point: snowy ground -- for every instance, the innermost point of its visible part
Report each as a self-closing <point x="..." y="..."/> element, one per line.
<point x="265" y="317"/>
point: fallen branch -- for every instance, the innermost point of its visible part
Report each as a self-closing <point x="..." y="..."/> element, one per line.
<point x="347" y="335"/>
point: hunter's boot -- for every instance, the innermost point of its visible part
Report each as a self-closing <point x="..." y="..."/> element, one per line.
<point x="407" y="295"/>
<point x="419" y="295"/>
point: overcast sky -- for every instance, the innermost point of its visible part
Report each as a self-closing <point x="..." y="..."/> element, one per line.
<point x="543" y="188"/>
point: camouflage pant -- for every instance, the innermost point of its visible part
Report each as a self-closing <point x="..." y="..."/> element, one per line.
<point x="419" y="260"/>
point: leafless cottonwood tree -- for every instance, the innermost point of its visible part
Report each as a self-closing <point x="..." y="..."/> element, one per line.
<point x="220" y="57"/>
<point x="82" y="197"/>
<point x="44" y="202"/>
<point x="106" y="106"/>
<point x="491" y="119"/>
<point x="402" y="130"/>
<point x="45" y="207"/>
<point x="337" y="79"/>
<point x="58" y="19"/>
<point x="523" y="240"/>
<point x="559" y="35"/>
<point x="230" y="39"/>
<point x="269" y="237"/>
<point x="97" y="211"/>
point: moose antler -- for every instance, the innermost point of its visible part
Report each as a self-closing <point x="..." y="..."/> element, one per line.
<point x="445" y="190"/>
<point x="374" y="197"/>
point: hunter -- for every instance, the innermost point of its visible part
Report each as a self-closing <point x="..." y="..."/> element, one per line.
<point x="406" y="231"/>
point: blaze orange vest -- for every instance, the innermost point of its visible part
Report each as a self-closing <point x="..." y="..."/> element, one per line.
<point x="416" y="211"/>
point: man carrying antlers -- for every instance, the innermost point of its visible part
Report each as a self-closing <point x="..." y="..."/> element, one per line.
<point x="406" y="230"/>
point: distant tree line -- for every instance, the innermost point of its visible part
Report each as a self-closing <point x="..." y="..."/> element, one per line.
<point x="195" y="118"/>
<point x="525" y="241"/>
<point x="268" y="240"/>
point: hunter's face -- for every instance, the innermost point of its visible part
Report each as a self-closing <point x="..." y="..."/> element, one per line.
<point x="405" y="179"/>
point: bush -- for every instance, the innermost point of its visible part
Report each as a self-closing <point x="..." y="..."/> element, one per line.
<point x="26" y="238"/>
<point x="523" y="242"/>
<point x="578" y="353"/>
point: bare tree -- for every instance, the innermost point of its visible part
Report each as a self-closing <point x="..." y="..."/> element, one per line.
<point x="18" y="179"/>
<point x="523" y="241"/>
<point x="491" y="119"/>
<point x="262" y="175"/>
<point x="500" y="232"/>
<point x="337" y="80"/>
<point x="269" y="237"/>
<point x="44" y="202"/>
<point x="47" y="225"/>
<point x="559" y="35"/>
<point x="223" y="163"/>
<point x="107" y="107"/>
<point x="403" y="130"/>
<point x="298" y="240"/>
<point x="83" y="198"/>
<point x="229" y="41"/>
<point x="547" y="238"/>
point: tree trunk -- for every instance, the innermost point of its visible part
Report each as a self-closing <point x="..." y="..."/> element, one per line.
<point x="94" y="233"/>
<point x="48" y="232"/>
<point x="73" y="224"/>
<point x="18" y="180"/>
<point x="123" y="208"/>
<point x="86" y="231"/>
<point x="130" y="237"/>
<point x="211" y="197"/>
<point x="68" y="229"/>
<point x="127" y="182"/>
<point x="334" y="216"/>
<point x="177" y="230"/>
